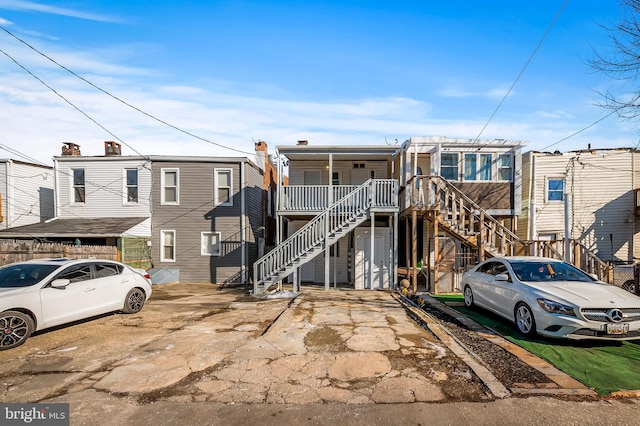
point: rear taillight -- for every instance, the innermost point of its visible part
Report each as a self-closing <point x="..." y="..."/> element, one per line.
<point x="147" y="276"/>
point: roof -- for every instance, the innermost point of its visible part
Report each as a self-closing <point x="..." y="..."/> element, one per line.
<point x="75" y="228"/>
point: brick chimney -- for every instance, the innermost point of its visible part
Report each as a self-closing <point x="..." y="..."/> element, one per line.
<point x="70" y="149"/>
<point x="112" y="148"/>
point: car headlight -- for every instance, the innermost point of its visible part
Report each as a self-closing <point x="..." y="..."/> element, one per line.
<point x="555" y="307"/>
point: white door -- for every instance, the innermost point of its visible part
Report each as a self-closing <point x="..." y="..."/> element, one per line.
<point x="381" y="266"/>
<point x="378" y="268"/>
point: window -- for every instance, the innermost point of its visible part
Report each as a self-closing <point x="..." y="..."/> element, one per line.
<point x="485" y="166"/>
<point x="170" y="192"/>
<point x="76" y="273"/>
<point x="167" y="246"/>
<point x="210" y="243"/>
<point x="505" y="167"/>
<point x="449" y="166"/>
<point x="107" y="269"/>
<point x="335" y="178"/>
<point x="223" y="187"/>
<point x="555" y="189"/>
<point x="78" y="186"/>
<point x="470" y="166"/>
<point x="131" y="185"/>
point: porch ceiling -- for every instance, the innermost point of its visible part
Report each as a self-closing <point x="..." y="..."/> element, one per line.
<point x="340" y="153"/>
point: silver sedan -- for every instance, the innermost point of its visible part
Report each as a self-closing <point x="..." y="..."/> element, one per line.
<point x="552" y="298"/>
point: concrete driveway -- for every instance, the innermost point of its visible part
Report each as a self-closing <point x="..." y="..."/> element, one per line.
<point x="196" y="346"/>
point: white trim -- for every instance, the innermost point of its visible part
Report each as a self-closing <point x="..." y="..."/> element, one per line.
<point x="162" y="187"/>
<point x="125" y="187"/>
<point x="206" y="249"/>
<point x="216" y="201"/>
<point x="72" y="189"/>
<point x="162" y="234"/>
<point x="546" y="188"/>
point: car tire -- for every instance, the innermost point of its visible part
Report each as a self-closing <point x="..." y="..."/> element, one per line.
<point x="630" y="286"/>
<point x="525" y="321"/>
<point x="134" y="301"/>
<point x="16" y="328"/>
<point x="468" y="297"/>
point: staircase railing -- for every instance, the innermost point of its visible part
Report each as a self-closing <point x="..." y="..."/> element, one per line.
<point x="462" y="214"/>
<point x="328" y="224"/>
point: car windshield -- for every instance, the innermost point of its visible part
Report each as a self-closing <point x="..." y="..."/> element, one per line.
<point x="24" y="275"/>
<point x="540" y="271"/>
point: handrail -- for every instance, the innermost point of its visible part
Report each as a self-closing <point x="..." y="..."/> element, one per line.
<point x="372" y="193"/>
<point x="436" y="195"/>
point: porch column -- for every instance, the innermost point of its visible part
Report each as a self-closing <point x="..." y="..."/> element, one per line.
<point x="372" y="248"/>
<point x="436" y="249"/>
<point x="327" y="281"/>
<point x="394" y="251"/>
<point x="414" y="249"/>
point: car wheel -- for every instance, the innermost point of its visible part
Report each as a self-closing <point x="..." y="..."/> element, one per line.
<point x="468" y="297"/>
<point x="134" y="301"/>
<point x="524" y="320"/>
<point x="16" y="328"/>
<point x="630" y="286"/>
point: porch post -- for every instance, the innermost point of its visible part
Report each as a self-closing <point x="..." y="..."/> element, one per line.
<point x="414" y="249"/>
<point x="372" y="245"/>
<point x="394" y="250"/>
<point x="327" y="283"/>
<point x="436" y="249"/>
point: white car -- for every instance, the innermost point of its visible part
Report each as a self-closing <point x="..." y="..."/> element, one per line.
<point x="552" y="298"/>
<point x="39" y="294"/>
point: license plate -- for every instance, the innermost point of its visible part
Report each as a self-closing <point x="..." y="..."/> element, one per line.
<point x="617" y="328"/>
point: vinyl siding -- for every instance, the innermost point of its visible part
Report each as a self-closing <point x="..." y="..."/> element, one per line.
<point x="196" y="213"/>
<point x="27" y="194"/>
<point x="345" y="168"/>
<point x="105" y="194"/>
<point x="602" y="199"/>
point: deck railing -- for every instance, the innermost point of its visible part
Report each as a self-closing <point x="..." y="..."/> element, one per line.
<point x="315" y="198"/>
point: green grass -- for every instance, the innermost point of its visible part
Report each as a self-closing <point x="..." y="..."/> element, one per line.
<point x="604" y="366"/>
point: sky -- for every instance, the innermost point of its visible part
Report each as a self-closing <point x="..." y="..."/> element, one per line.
<point x="211" y="77"/>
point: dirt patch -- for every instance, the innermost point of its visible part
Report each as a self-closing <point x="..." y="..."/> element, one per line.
<point x="324" y="339"/>
<point x="505" y="366"/>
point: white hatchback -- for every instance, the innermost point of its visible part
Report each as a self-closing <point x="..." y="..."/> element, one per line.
<point x="39" y="294"/>
<point x="552" y="298"/>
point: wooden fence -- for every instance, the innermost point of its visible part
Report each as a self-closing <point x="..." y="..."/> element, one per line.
<point x="15" y="251"/>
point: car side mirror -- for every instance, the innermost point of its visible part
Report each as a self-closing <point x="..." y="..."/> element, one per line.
<point x="60" y="283"/>
<point x="502" y="277"/>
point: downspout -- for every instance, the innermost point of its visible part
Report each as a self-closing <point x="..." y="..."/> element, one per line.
<point x="243" y="245"/>
<point x="531" y="230"/>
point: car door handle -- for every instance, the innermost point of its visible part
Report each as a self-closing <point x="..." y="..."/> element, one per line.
<point x="87" y="290"/>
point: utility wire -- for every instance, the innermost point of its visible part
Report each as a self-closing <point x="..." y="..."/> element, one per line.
<point x="579" y="131"/>
<point x="120" y="100"/>
<point x="69" y="102"/>
<point x="523" y="69"/>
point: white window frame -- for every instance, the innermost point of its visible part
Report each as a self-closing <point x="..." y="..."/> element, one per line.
<point x="125" y="186"/>
<point x="547" y="191"/>
<point x="162" y="245"/>
<point x="205" y="249"/>
<point x="511" y="167"/>
<point x="73" y="185"/>
<point x="216" y="201"/>
<point x="163" y="186"/>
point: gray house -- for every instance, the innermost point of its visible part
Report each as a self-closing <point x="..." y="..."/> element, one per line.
<point x="208" y="221"/>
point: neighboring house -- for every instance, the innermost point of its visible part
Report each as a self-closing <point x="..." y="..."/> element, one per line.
<point x="337" y="197"/>
<point x="208" y="217"/>
<point x="27" y="193"/>
<point x="460" y="199"/>
<point x="600" y="188"/>
<point x="99" y="200"/>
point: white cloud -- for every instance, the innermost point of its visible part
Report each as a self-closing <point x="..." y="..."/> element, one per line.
<point x="457" y="92"/>
<point x="53" y="10"/>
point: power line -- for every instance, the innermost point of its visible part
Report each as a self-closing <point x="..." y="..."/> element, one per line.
<point x="120" y="100"/>
<point x="523" y="69"/>
<point x="579" y="131"/>
<point x="69" y="102"/>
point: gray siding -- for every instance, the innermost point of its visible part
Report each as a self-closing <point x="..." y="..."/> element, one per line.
<point x="196" y="213"/>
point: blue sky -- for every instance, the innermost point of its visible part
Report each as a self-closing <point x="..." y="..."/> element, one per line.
<point x="331" y="72"/>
